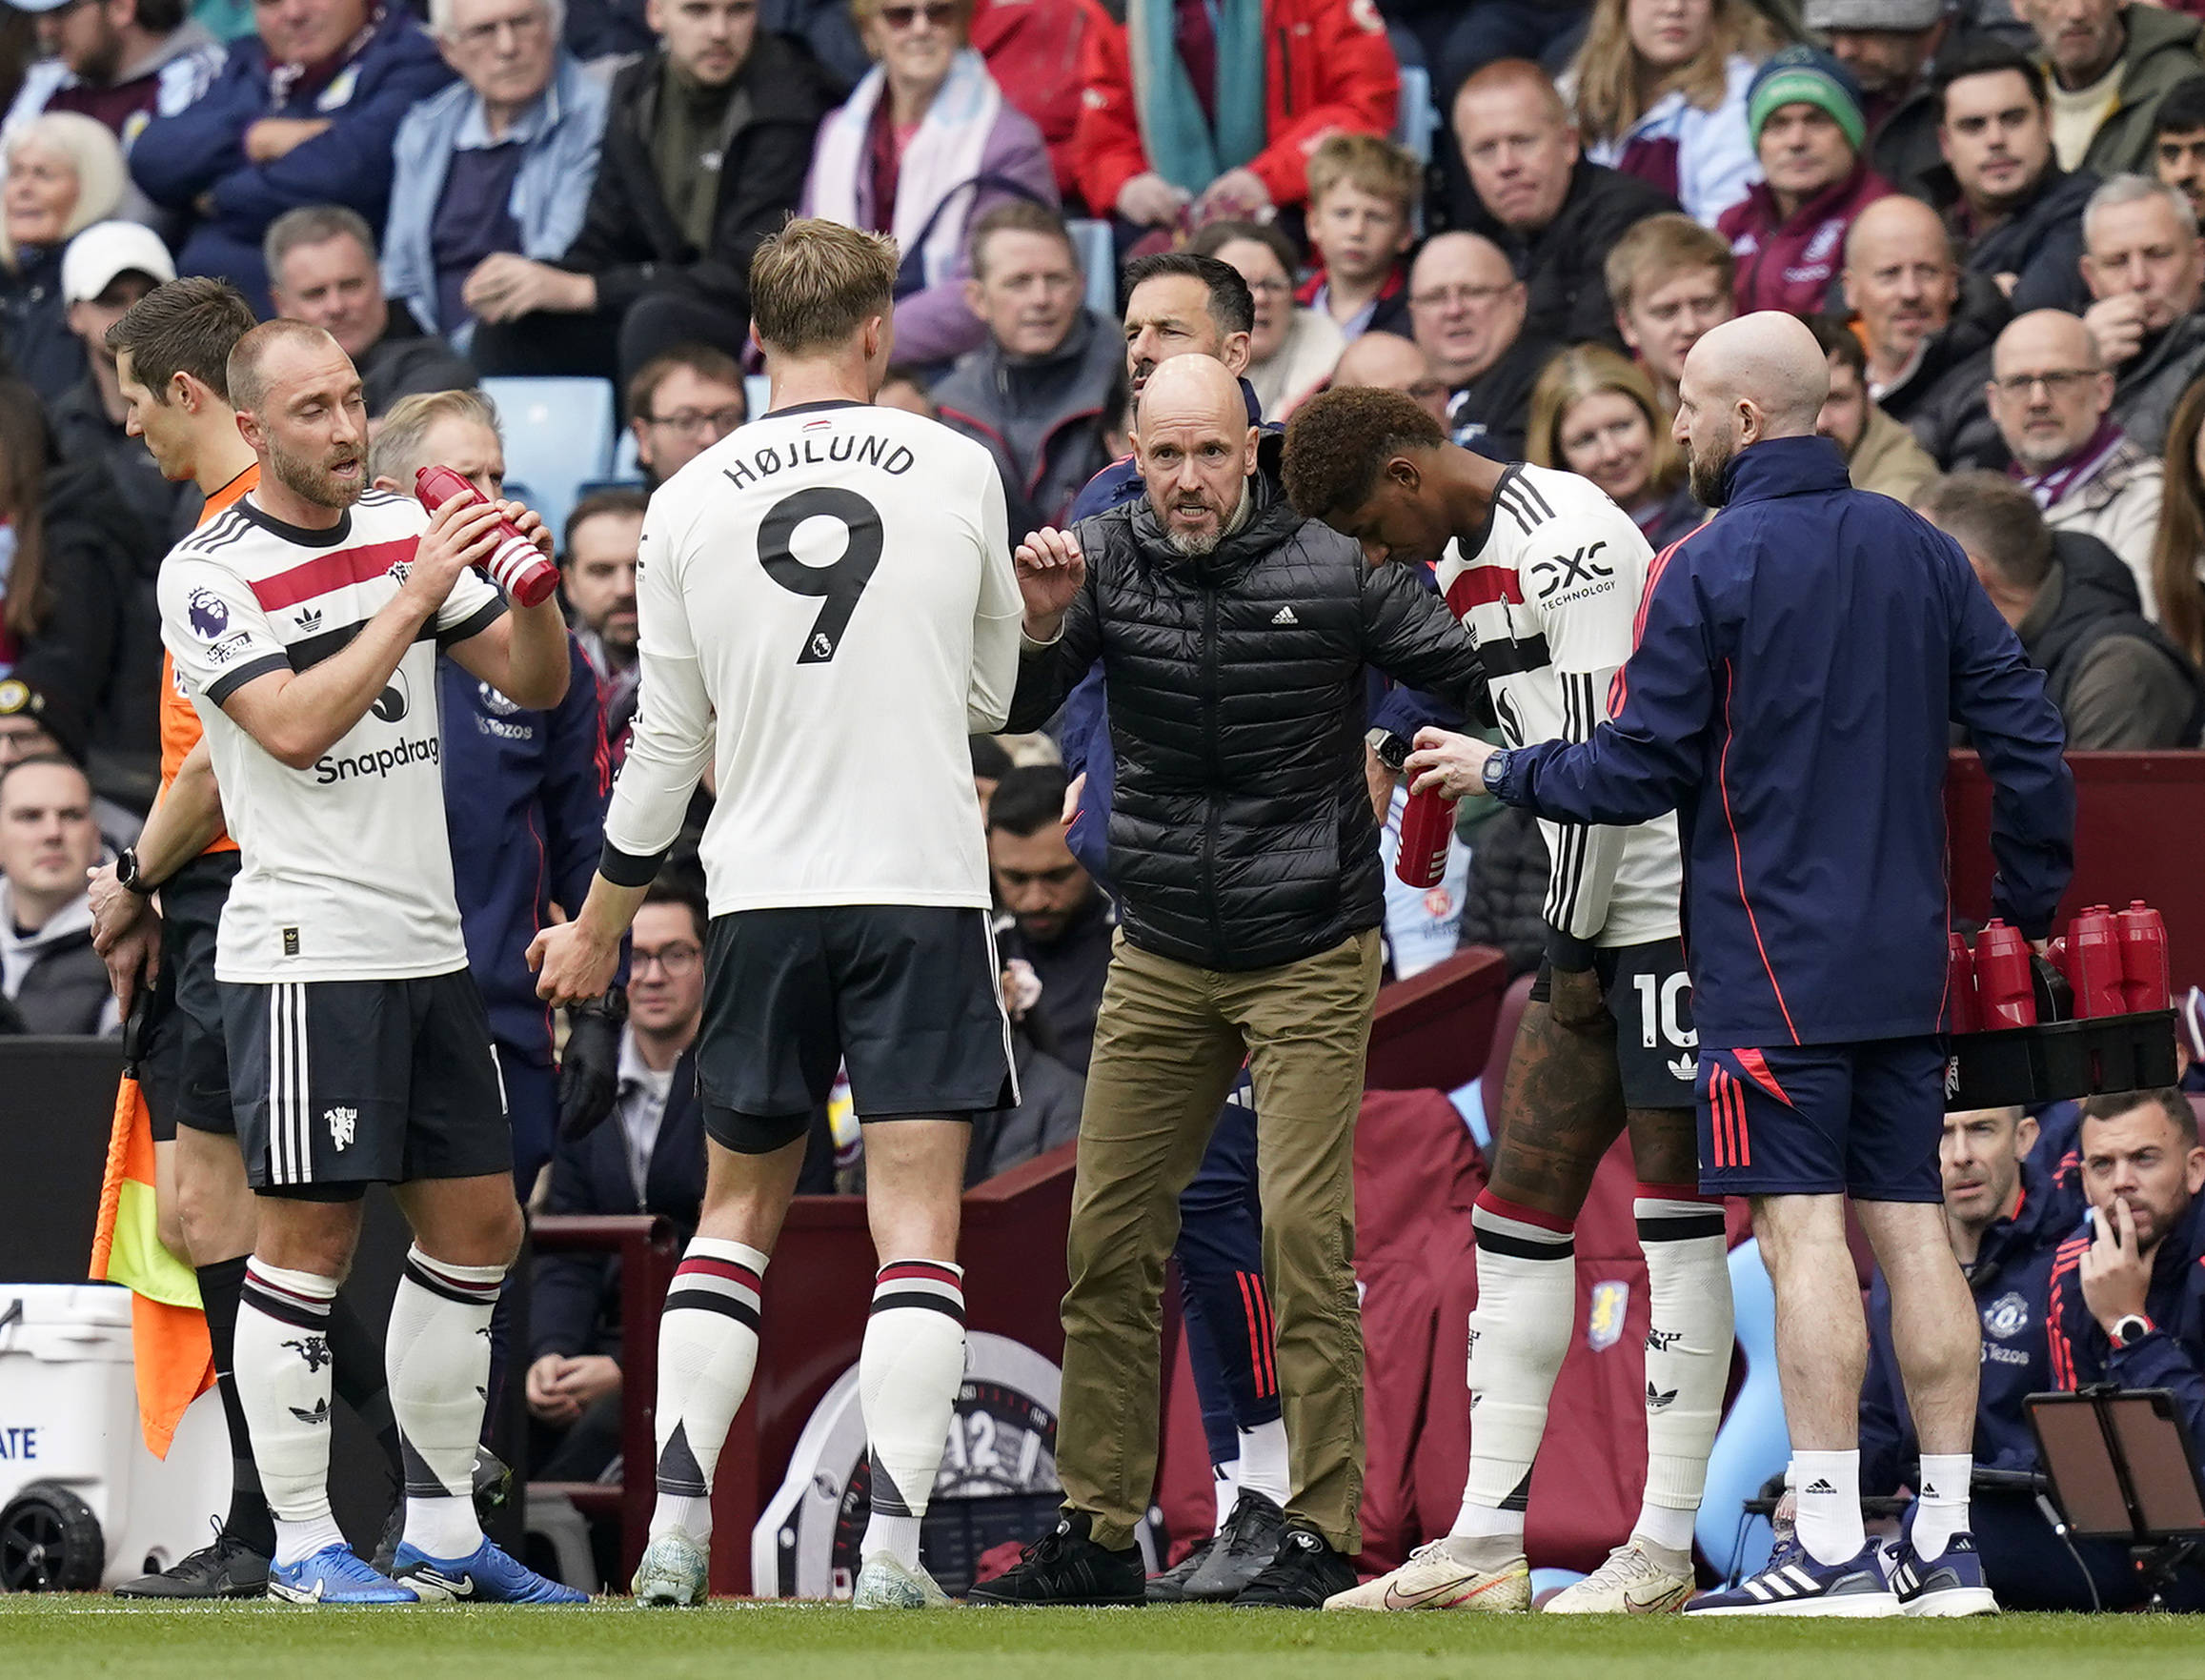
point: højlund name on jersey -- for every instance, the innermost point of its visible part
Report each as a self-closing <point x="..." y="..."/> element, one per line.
<point x="812" y="450"/>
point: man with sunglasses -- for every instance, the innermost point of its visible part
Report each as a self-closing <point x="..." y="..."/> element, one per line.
<point x="706" y="145"/>
<point x="2050" y="396"/>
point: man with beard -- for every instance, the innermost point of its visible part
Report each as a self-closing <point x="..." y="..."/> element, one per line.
<point x="304" y="624"/>
<point x="1547" y="573"/>
<point x="597" y="571"/>
<point x="1243" y="849"/>
<point x="1814" y="833"/>
<point x="120" y="62"/>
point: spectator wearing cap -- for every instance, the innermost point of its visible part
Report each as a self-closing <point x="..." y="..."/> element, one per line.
<point x="1788" y="234"/>
<point x="1889" y="46"/>
<point x="105" y="269"/>
<point x="926" y="144"/>
<point x="321" y="270"/>
<point x="49" y="971"/>
<point x="34" y="725"/>
<point x="2110" y="64"/>
<point x="305" y="113"/>
<point x="110" y="518"/>
<point x="2179" y="140"/>
<point x="2146" y="271"/>
<point x="2015" y="215"/>
<point x="64" y="172"/>
<point x="497" y="166"/>
<point x="120" y="62"/>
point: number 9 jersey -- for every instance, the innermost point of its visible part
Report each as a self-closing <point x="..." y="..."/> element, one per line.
<point x="826" y="611"/>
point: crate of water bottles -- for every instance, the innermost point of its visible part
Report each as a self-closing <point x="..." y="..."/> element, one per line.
<point x="2094" y="1014"/>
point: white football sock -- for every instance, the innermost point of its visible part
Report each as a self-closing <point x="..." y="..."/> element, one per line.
<point x="1941" y="1505"/>
<point x="707" y="1354"/>
<point x="1687" y="1356"/>
<point x="908" y="1374"/>
<point x="1225" y="1483"/>
<point x="1519" y="1335"/>
<point x="283" y="1370"/>
<point x="437" y="1352"/>
<point x="1263" y="1463"/>
<point x="1829" y="1494"/>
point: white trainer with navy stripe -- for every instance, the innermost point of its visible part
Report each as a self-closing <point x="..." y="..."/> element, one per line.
<point x="1792" y="1584"/>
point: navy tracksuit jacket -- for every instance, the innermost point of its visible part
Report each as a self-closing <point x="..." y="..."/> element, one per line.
<point x="1799" y="662"/>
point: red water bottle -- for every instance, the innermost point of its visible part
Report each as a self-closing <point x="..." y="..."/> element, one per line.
<point x="517" y="565"/>
<point x="2094" y="964"/>
<point x="2005" y="991"/>
<point x="1427" y="823"/>
<point x="1959" y="986"/>
<point x="2147" y="981"/>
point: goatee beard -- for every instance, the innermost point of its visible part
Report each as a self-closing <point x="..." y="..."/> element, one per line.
<point x="1710" y="479"/>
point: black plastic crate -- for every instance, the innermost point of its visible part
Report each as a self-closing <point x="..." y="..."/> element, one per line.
<point x="2023" y="1066"/>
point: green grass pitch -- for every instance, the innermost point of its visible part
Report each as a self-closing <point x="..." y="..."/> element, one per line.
<point x="60" y="1638"/>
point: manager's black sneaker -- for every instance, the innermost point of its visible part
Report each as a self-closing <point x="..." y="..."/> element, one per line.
<point x="1065" y="1566"/>
<point x="1244" y="1548"/>
<point x="227" y="1568"/>
<point x="1792" y="1584"/>
<point x="1170" y="1586"/>
<point x="1305" y="1572"/>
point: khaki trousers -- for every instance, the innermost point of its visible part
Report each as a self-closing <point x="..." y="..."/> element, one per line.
<point x="1168" y="1044"/>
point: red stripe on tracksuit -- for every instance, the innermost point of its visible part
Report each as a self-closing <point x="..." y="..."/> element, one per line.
<point x="1262" y="1360"/>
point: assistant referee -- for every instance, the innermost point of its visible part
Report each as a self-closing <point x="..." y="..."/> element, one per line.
<point x="1799" y="660"/>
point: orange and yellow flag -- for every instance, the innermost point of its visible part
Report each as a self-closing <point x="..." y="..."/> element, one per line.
<point x="173" y="1359"/>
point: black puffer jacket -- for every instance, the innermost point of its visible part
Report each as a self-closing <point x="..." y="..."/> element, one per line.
<point x="1242" y="834"/>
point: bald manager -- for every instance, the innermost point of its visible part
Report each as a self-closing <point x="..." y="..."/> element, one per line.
<point x="1799" y="660"/>
<point x="1233" y="636"/>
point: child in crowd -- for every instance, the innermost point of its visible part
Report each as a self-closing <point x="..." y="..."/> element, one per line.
<point x="1363" y="194"/>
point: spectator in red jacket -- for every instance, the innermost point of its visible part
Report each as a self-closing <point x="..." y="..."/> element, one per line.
<point x="1032" y="48"/>
<point x="1787" y="234"/>
<point x="1222" y="106"/>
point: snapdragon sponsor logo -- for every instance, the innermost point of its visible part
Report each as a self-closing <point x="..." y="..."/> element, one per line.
<point x="383" y="761"/>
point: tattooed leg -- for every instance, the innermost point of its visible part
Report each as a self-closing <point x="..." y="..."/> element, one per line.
<point x="1561" y="1108"/>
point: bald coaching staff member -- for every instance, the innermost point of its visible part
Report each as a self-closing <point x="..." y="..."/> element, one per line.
<point x="1798" y="662"/>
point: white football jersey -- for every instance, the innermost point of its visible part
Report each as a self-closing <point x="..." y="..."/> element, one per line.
<point x="826" y="610"/>
<point x="1550" y="596"/>
<point x="346" y="870"/>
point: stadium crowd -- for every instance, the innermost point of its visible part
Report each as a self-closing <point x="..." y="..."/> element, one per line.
<point x="1988" y="214"/>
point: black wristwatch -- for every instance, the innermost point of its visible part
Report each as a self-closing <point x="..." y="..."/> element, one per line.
<point x="2130" y="1328"/>
<point x="130" y="875"/>
<point x="1392" y="750"/>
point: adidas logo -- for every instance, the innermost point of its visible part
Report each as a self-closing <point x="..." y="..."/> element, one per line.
<point x="1684" y="1068"/>
<point x="1818" y="1486"/>
<point x="318" y="1415"/>
<point x="1657" y="1398"/>
<point x="309" y="621"/>
<point x="1285" y="615"/>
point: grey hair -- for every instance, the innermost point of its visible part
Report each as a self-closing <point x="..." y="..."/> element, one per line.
<point x="397" y="453"/>
<point x="2134" y="189"/>
<point x="311" y="224"/>
<point x="441" y="18"/>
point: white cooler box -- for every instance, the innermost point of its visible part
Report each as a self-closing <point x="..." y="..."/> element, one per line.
<point x="82" y="1502"/>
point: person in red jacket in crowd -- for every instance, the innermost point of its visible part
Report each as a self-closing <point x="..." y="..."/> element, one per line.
<point x="1264" y="82"/>
<point x="1032" y="48"/>
<point x="1788" y="233"/>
